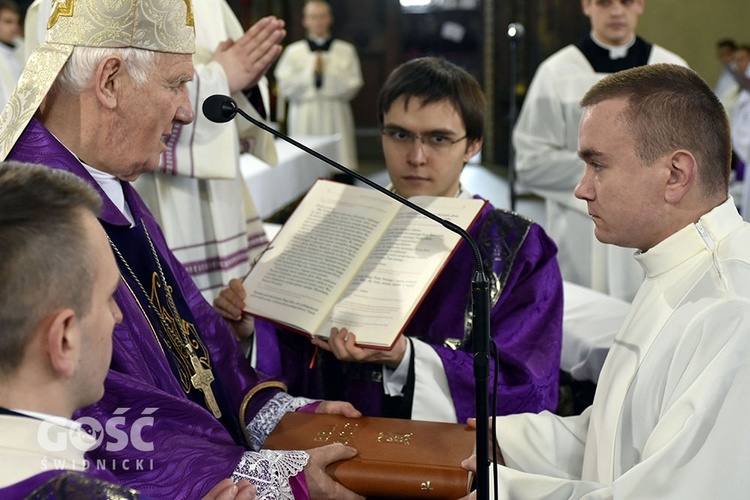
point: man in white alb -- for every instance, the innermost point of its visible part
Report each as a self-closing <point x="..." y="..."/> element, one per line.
<point x="545" y="139"/>
<point x="319" y="76"/>
<point x="671" y="404"/>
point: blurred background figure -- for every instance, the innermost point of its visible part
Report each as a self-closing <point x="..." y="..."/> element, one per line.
<point x="11" y="49"/>
<point x="319" y="76"/>
<point x="546" y="141"/>
<point x="727" y="89"/>
<point x="739" y="188"/>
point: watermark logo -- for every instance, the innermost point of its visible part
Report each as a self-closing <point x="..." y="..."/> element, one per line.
<point x="116" y="434"/>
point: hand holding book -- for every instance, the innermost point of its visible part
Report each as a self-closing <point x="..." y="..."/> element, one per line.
<point x="343" y="344"/>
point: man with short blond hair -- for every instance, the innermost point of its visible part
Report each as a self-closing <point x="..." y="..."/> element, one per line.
<point x="671" y="402"/>
<point x="57" y="314"/>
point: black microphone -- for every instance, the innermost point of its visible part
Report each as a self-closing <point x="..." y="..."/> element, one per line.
<point x="220" y="109"/>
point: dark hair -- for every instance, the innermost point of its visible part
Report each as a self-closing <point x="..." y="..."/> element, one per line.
<point x="44" y="251"/>
<point x="432" y="79"/>
<point x="9" y="5"/>
<point x="670" y="107"/>
<point x="726" y="42"/>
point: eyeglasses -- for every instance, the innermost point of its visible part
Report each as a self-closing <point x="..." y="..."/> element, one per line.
<point x="404" y="138"/>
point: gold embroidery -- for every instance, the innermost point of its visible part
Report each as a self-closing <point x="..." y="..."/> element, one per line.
<point x="190" y="21"/>
<point x="200" y="380"/>
<point x="64" y="8"/>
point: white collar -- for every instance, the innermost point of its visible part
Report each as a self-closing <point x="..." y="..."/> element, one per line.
<point x="110" y="185"/>
<point x="113" y="189"/>
<point x="703" y="235"/>
<point x="615" y="52"/>
<point x="53" y="419"/>
<point x="318" y="40"/>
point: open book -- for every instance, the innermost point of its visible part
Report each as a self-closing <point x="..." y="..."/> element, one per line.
<point x="353" y="258"/>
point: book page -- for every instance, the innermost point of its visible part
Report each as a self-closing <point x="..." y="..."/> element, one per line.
<point x="400" y="270"/>
<point x="317" y="253"/>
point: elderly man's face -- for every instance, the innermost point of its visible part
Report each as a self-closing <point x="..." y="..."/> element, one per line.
<point x="148" y="114"/>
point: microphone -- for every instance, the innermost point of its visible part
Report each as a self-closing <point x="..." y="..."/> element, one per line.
<point x="516" y="31"/>
<point x="221" y="108"/>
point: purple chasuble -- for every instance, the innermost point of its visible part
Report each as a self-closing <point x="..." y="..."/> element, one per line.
<point x="525" y="323"/>
<point x="154" y="438"/>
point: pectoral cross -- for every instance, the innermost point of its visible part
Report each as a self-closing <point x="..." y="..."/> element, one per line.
<point x="202" y="381"/>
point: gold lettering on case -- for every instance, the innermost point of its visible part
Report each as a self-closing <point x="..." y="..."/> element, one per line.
<point x="328" y="433"/>
<point x="325" y="434"/>
<point x="392" y="437"/>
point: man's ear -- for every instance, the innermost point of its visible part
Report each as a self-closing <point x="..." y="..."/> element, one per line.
<point x="62" y="338"/>
<point x="585" y="4"/>
<point x="683" y="173"/>
<point x="472" y="149"/>
<point x="108" y="81"/>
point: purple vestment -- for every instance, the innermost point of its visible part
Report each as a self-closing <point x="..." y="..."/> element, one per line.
<point x="525" y="323"/>
<point x="155" y="439"/>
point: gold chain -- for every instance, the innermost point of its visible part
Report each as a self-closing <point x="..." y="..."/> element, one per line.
<point x="202" y="377"/>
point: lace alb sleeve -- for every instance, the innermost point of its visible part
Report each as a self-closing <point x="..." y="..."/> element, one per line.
<point x="270" y="471"/>
<point x="266" y="419"/>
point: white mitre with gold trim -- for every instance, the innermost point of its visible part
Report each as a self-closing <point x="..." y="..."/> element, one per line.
<point x="158" y="25"/>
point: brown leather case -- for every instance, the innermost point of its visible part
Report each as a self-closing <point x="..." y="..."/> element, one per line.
<point x="396" y="458"/>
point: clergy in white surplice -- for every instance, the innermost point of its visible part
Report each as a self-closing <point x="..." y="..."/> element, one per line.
<point x="669" y="417"/>
<point x="545" y="139"/>
<point x="318" y="77"/>
<point x="199" y="195"/>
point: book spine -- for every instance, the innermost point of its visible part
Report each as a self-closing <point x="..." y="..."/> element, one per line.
<point x="404" y="480"/>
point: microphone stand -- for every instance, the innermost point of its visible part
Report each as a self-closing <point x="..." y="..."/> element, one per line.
<point x="480" y="290"/>
<point x="515" y="33"/>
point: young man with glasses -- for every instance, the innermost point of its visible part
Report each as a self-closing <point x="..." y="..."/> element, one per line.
<point x="431" y="114"/>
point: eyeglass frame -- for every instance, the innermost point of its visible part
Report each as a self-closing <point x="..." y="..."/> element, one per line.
<point x="410" y="137"/>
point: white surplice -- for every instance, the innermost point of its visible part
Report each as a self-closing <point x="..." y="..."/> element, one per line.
<point x="11" y="65"/>
<point x="546" y="143"/>
<point x="669" y="418"/>
<point x="198" y="195"/>
<point x="30" y="446"/>
<point x="325" y="110"/>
